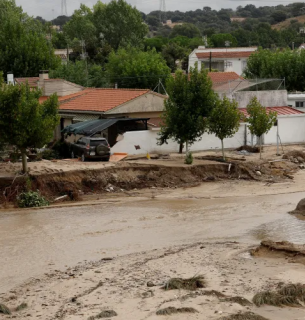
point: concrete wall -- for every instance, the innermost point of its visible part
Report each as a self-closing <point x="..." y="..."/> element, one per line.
<point x="149" y="102"/>
<point x="291" y="130"/>
<point x="270" y="98"/>
<point x="59" y="86"/>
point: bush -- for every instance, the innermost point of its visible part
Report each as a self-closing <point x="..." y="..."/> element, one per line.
<point x="62" y="148"/>
<point x="31" y="199"/>
<point x="189" y="158"/>
<point x="48" y="155"/>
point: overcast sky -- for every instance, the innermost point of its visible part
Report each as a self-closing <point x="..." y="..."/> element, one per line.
<point x="48" y="9"/>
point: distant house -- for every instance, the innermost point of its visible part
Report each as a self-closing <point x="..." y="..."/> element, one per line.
<point x="171" y="24"/>
<point x="237" y="19"/>
<point x="63" y="54"/>
<point x="221" y="59"/>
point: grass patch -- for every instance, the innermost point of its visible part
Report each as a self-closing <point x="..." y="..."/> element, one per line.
<point x="172" y="310"/>
<point x="289" y="295"/>
<point x="4" y="309"/>
<point x="240" y="300"/>
<point x="22" y="306"/>
<point x="194" y="283"/>
<point x="244" y="316"/>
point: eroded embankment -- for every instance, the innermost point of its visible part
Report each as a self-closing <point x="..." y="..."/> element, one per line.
<point x="127" y="177"/>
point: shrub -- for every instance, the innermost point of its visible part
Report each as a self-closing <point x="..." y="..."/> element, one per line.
<point x="31" y="199"/>
<point x="189" y="158"/>
<point x="48" y="154"/>
<point x="62" y="148"/>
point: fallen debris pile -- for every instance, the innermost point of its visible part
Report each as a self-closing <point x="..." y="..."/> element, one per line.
<point x="295" y="156"/>
<point x="244" y="316"/>
<point x="172" y="310"/>
<point x="194" y="283"/>
<point x="295" y="253"/>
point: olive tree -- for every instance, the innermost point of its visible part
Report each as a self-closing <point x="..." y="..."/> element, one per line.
<point x="260" y="120"/>
<point x="24" y="122"/>
<point x="224" y="120"/>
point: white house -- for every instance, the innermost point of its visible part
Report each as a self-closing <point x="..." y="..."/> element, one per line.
<point x="297" y="100"/>
<point x="221" y="59"/>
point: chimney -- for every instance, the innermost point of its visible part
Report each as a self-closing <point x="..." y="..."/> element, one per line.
<point x="43" y="75"/>
<point x="10" y="78"/>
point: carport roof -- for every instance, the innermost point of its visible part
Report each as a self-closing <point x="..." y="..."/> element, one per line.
<point x="88" y="128"/>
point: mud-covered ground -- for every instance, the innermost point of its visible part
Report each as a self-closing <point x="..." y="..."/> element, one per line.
<point x="98" y="255"/>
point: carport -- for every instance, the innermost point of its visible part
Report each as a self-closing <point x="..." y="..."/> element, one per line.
<point x="114" y="126"/>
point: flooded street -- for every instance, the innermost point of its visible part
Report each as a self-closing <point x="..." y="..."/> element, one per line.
<point x="38" y="241"/>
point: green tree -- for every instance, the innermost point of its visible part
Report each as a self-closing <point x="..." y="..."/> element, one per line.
<point x="260" y="121"/>
<point x="24" y="122"/>
<point x="173" y="52"/>
<point x="224" y="120"/>
<point x="187" y="30"/>
<point x="279" y="16"/>
<point x="79" y="72"/>
<point x="120" y="24"/>
<point x="191" y="99"/>
<point x="24" y="48"/>
<point x="219" y="40"/>
<point x="134" y="68"/>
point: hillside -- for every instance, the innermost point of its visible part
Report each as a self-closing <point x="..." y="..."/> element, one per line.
<point x="286" y="23"/>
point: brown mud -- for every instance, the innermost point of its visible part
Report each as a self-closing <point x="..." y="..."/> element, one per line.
<point x="292" y="252"/>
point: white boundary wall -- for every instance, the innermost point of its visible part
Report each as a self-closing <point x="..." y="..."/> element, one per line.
<point x="291" y="130"/>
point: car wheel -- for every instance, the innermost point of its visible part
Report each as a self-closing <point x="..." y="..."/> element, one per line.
<point x="83" y="157"/>
<point x="72" y="155"/>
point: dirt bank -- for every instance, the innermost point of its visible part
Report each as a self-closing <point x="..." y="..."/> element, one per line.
<point x="127" y="176"/>
<point x="291" y="252"/>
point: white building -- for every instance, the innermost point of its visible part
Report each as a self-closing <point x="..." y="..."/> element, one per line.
<point x="297" y="100"/>
<point x="221" y="59"/>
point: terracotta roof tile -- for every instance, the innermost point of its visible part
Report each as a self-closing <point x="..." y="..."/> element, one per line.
<point x="218" y="77"/>
<point x="32" y="81"/>
<point x="225" y="55"/>
<point x="99" y="100"/>
<point x="281" y="111"/>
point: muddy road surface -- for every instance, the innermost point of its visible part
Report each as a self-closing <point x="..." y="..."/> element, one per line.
<point x="34" y="242"/>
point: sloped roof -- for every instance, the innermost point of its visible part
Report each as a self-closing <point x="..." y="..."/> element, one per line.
<point x="219" y="77"/>
<point x="99" y="100"/>
<point x="224" y="55"/>
<point x="32" y="81"/>
<point x="281" y="111"/>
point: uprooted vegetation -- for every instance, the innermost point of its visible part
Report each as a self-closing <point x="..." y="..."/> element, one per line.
<point x="4" y="309"/>
<point x="194" y="283"/>
<point x="172" y="310"/>
<point x="295" y="253"/>
<point x="244" y="316"/>
<point x="291" y="295"/>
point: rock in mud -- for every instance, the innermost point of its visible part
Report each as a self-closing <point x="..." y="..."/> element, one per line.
<point x="300" y="209"/>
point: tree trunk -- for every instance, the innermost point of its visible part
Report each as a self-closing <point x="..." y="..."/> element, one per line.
<point x="187" y="147"/>
<point x="223" y="151"/>
<point x="24" y="161"/>
<point x="260" y="147"/>
<point x="180" y="147"/>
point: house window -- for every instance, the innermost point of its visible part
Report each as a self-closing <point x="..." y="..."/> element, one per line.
<point x="299" y="104"/>
<point x="216" y="65"/>
<point x="244" y="65"/>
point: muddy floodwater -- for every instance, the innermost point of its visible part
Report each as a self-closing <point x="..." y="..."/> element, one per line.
<point x="34" y="242"/>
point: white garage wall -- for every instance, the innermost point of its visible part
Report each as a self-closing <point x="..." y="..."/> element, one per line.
<point x="291" y="130"/>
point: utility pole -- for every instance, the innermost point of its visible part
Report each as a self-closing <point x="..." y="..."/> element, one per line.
<point x="162" y="10"/>
<point x="210" y="62"/>
<point x="64" y="11"/>
<point x="84" y="55"/>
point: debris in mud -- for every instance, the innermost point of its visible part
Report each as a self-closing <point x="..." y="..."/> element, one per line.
<point x="22" y="306"/>
<point x="282" y="249"/>
<point x="150" y="284"/>
<point x="187" y="284"/>
<point x="4" y="309"/>
<point x="244" y="316"/>
<point x="240" y="300"/>
<point x="295" y="156"/>
<point x="172" y="310"/>
<point x="290" y="295"/>
<point x="214" y="293"/>
<point x="248" y="149"/>
<point x="104" y="314"/>
<point x="300" y="209"/>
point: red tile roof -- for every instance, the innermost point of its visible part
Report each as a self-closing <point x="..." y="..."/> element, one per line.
<point x="281" y="111"/>
<point x="225" y="55"/>
<point x="32" y="81"/>
<point x="218" y="77"/>
<point x="99" y="100"/>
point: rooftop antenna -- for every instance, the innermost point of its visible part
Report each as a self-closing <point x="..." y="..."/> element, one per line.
<point x="64" y="11"/>
<point x="162" y="11"/>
